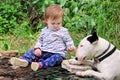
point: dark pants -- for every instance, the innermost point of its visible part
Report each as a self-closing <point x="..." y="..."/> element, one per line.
<point x="47" y="59"/>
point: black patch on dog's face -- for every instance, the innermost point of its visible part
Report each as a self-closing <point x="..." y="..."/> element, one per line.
<point x="93" y="36"/>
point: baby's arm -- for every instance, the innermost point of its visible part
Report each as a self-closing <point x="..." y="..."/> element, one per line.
<point x="37" y="48"/>
<point x="72" y="48"/>
<point x="68" y="41"/>
<point x="37" y="52"/>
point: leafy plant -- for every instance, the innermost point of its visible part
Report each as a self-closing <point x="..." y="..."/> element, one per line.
<point x="80" y="16"/>
<point x="10" y="15"/>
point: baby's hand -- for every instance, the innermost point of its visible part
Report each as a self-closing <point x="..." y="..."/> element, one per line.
<point x="72" y="48"/>
<point x="37" y="52"/>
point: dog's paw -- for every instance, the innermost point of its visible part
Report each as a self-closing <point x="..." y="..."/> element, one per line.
<point x="71" y="61"/>
<point x="79" y="73"/>
<point x="84" y="73"/>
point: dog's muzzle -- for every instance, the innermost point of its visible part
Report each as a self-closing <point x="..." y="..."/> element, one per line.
<point x="76" y="58"/>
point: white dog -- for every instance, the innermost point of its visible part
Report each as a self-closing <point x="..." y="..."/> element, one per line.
<point x="106" y="57"/>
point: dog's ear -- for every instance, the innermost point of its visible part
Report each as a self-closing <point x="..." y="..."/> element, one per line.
<point x="93" y="36"/>
<point x="93" y="31"/>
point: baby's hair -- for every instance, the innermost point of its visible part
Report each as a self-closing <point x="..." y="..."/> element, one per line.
<point x="53" y="12"/>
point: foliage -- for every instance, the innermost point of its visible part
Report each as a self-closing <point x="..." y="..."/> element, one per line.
<point x="14" y="25"/>
<point x="10" y="16"/>
<point x="18" y="17"/>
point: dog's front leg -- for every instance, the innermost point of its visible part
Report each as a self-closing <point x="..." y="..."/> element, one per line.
<point x="90" y="73"/>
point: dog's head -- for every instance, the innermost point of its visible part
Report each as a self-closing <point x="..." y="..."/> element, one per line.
<point x="86" y="46"/>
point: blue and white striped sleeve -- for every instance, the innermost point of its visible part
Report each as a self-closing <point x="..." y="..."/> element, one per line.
<point x="67" y="39"/>
<point x="39" y="41"/>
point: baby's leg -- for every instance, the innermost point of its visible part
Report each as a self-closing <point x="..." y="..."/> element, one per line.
<point x="27" y="58"/>
<point x="53" y="60"/>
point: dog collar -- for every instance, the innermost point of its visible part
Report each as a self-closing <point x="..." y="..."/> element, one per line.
<point x="101" y="57"/>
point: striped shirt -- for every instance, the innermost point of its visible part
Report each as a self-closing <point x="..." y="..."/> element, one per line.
<point x="54" y="41"/>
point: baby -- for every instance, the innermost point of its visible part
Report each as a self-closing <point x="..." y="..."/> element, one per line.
<point x="52" y="45"/>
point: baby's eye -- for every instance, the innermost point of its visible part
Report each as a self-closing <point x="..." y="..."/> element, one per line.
<point x="53" y="23"/>
<point x="58" y="23"/>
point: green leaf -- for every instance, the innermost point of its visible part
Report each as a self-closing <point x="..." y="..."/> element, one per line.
<point x="6" y="47"/>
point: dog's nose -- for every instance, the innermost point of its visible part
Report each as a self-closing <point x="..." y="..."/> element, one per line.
<point x="76" y="58"/>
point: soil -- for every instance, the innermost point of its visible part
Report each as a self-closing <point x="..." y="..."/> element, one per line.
<point x="54" y="73"/>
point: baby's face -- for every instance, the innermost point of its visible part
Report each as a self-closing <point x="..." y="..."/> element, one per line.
<point x="54" y="24"/>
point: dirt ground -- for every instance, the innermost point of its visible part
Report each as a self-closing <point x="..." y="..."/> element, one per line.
<point x="55" y="73"/>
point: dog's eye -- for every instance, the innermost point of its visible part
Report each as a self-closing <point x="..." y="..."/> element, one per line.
<point x="81" y="45"/>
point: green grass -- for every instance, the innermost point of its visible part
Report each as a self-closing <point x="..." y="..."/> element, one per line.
<point x="21" y="43"/>
<point x="27" y="41"/>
